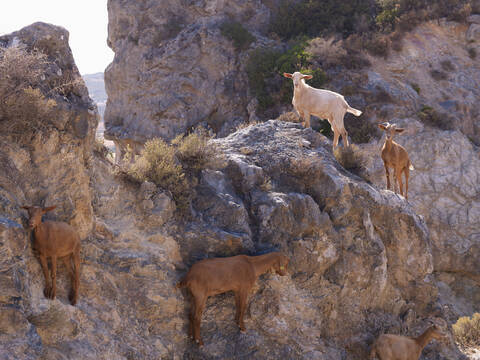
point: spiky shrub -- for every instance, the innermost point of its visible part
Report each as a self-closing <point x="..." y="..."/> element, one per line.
<point x="466" y="331"/>
<point x="157" y="163"/>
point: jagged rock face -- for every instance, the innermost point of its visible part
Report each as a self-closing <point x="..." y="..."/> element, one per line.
<point x="43" y="170"/>
<point x="444" y="187"/>
<point x="361" y="263"/>
<point x="173" y="69"/>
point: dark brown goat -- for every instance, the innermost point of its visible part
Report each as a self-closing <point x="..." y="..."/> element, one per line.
<point x="55" y="239"/>
<point x="238" y="274"/>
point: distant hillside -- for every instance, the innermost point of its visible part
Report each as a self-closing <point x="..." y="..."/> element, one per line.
<point x="96" y="89"/>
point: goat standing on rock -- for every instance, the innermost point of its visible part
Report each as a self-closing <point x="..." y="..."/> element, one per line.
<point x="324" y="104"/>
<point x="395" y="156"/>
<point x="55" y="239"/>
<point x="398" y="347"/>
<point x="218" y="275"/>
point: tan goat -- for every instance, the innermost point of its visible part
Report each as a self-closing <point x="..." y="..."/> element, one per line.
<point x="395" y="156"/>
<point x="397" y="347"/>
<point x="218" y="275"/>
<point x="324" y="104"/>
<point x="55" y="239"/>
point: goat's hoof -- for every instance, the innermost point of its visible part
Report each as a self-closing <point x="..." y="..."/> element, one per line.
<point x="48" y="293"/>
<point x="73" y="299"/>
<point x="199" y="342"/>
<point x="242" y="329"/>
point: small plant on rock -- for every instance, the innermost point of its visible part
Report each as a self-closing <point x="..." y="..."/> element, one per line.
<point x="352" y="160"/>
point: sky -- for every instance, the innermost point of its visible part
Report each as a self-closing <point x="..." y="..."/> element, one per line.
<point x="85" y="20"/>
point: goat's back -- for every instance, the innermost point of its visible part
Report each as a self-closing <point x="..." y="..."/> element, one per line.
<point x="56" y="238"/>
<point x="396" y="347"/>
<point x="319" y="102"/>
<point x="219" y="275"/>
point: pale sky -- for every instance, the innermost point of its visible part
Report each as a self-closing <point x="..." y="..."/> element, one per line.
<point x="85" y="20"/>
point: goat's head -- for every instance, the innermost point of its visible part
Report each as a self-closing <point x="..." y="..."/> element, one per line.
<point x="297" y="77"/>
<point x="390" y="129"/>
<point x="35" y="214"/>
<point x="281" y="264"/>
<point x="438" y="329"/>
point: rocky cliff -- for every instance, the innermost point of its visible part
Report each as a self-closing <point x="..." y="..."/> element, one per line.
<point x="173" y="68"/>
<point x="363" y="260"/>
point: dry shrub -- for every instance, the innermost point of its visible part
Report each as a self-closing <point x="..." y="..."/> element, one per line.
<point x="196" y="152"/>
<point x="174" y="167"/>
<point x="23" y="106"/>
<point x="351" y="159"/>
<point x="378" y="45"/>
<point x="326" y="51"/>
<point x="289" y="116"/>
<point x="466" y="331"/>
<point x="157" y="163"/>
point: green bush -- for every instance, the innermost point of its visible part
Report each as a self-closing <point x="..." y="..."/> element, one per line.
<point x="240" y="36"/>
<point x="265" y="69"/>
<point x="314" y="18"/>
<point x="466" y="331"/>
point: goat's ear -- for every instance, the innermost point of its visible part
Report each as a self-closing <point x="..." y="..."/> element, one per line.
<point x="50" y="208"/>
<point x="287" y="75"/>
<point x="307" y="77"/>
<point x="381" y="126"/>
<point x="399" y="130"/>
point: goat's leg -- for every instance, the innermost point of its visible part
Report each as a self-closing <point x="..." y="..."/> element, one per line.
<point x="302" y="117"/>
<point x="76" y="279"/>
<point x="307" y="120"/>
<point x="387" y="174"/>
<point x="237" y="307"/>
<point x="53" y="274"/>
<point x="395" y="180"/>
<point x="400" y="182"/>
<point x="68" y="264"/>
<point x="407" y="174"/>
<point x="191" y="318"/>
<point x="243" y="295"/>
<point x="336" y="136"/>
<point x="199" y="306"/>
<point x="345" y="138"/>
<point x="48" y="288"/>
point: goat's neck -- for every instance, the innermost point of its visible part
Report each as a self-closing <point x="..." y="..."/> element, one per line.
<point x="389" y="144"/>
<point x="425" y="338"/>
<point x="39" y="232"/>
<point x="263" y="263"/>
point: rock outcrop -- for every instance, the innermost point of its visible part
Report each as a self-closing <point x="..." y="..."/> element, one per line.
<point x="173" y="69"/>
<point x="444" y="188"/>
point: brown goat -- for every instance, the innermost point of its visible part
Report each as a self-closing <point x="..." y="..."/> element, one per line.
<point x="395" y="156"/>
<point x="238" y="274"/>
<point x="397" y="347"/>
<point x="55" y="239"/>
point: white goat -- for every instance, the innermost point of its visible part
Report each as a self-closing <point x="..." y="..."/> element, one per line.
<point x="324" y="104"/>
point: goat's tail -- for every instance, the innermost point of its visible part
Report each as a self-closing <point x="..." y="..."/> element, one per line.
<point x="182" y="283"/>
<point x="410" y="166"/>
<point x="353" y="111"/>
